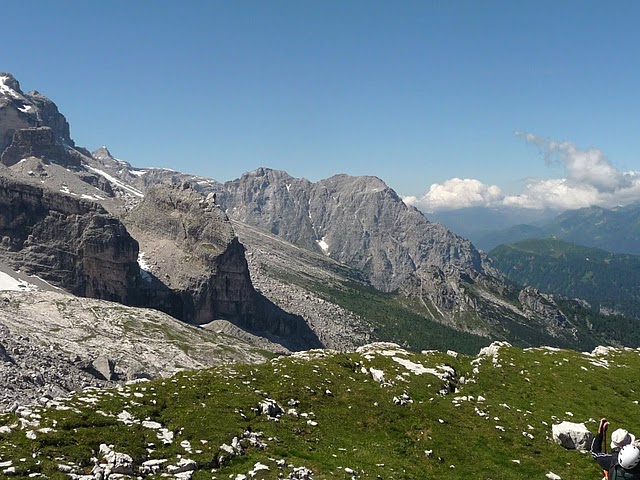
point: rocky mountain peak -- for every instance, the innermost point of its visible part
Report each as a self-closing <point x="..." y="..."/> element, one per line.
<point x="179" y="212"/>
<point x="102" y="153"/>
<point x="21" y="111"/>
<point x="104" y="157"/>
<point x="361" y="222"/>
<point x="266" y="174"/>
<point x="365" y="184"/>
<point x="9" y="86"/>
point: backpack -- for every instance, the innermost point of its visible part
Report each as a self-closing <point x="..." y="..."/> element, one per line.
<point x="619" y="473"/>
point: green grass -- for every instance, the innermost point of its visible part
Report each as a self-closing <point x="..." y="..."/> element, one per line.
<point x="358" y="426"/>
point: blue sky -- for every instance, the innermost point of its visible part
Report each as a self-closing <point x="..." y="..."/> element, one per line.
<point x="417" y="93"/>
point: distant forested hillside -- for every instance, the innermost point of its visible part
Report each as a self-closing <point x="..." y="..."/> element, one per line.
<point x="614" y="230"/>
<point x="609" y="282"/>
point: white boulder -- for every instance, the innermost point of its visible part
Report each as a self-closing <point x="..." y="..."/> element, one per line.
<point x="573" y="436"/>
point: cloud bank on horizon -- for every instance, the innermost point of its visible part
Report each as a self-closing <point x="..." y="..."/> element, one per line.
<point x="590" y="179"/>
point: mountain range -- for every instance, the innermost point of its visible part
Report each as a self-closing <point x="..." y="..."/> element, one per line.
<point x="296" y="264"/>
<point x="160" y="324"/>
<point x="615" y="230"/>
<point x="609" y="281"/>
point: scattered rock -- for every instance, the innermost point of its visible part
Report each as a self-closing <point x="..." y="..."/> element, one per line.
<point x="573" y="436"/>
<point x="105" y="367"/>
<point x="184" y="465"/>
<point x="270" y="408"/>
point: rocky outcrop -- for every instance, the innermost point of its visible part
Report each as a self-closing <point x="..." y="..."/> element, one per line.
<point x="195" y="267"/>
<point x="71" y="243"/>
<point x="99" y="182"/>
<point x="536" y="303"/>
<point x="47" y="113"/>
<point x="194" y="252"/>
<point x="273" y="201"/>
<point x="32" y="372"/>
<point x="54" y="343"/>
<point x="19" y="111"/>
<point x="36" y="142"/>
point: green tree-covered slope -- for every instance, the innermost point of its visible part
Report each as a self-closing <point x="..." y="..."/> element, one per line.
<point x="609" y="282"/>
<point x="615" y="230"/>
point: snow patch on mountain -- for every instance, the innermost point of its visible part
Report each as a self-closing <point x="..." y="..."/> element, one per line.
<point x="145" y="268"/>
<point x="7" y="282"/>
<point x="323" y="245"/>
<point x="7" y="90"/>
<point x="117" y="182"/>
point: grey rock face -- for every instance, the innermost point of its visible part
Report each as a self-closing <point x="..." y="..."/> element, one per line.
<point x="534" y="302"/>
<point x="49" y="115"/>
<point x="36" y="142"/>
<point x="197" y="270"/>
<point x="14" y="114"/>
<point x="105" y="367"/>
<point x="572" y="436"/>
<point x="356" y="220"/>
<point x="274" y="201"/>
<point x="195" y="253"/>
<point x="99" y="182"/>
<point x="4" y="356"/>
<point x="71" y="243"/>
<point x="336" y="327"/>
<point x="34" y="371"/>
<point x="359" y="221"/>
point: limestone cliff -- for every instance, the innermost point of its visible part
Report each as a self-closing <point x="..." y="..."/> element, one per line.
<point x="71" y="243"/>
<point x="363" y="223"/>
<point x="38" y="142"/>
<point x="189" y="246"/>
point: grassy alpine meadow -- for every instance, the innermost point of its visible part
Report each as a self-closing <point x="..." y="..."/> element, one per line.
<point x="381" y="413"/>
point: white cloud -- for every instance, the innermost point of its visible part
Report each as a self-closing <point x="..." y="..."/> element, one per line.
<point x="456" y="193"/>
<point x="557" y="193"/>
<point x="589" y="179"/>
<point x="588" y="167"/>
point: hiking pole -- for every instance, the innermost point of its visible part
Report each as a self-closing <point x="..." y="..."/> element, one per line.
<point x="604" y="439"/>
